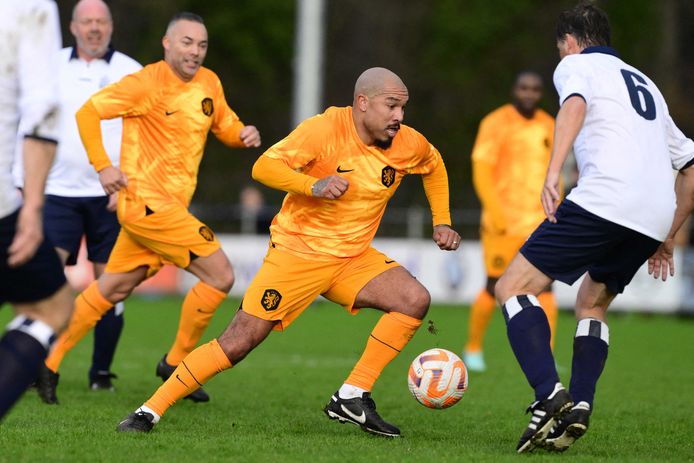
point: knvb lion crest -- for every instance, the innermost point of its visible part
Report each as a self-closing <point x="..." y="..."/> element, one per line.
<point x="271" y="299"/>
<point x="388" y="176"/>
<point x="207" y="106"/>
<point x="206" y="233"/>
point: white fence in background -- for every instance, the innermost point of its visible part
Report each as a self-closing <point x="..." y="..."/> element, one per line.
<point x="456" y="277"/>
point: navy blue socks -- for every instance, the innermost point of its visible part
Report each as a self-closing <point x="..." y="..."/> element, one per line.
<point x="23" y="348"/>
<point x="106" y="334"/>
<point x="590" y="353"/>
<point x="528" y="332"/>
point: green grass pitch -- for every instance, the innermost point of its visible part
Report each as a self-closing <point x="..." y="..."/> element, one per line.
<point x="268" y="408"/>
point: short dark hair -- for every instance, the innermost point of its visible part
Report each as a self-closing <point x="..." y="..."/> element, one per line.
<point x="587" y="23"/>
<point x="185" y="16"/>
<point x="528" y="72"/>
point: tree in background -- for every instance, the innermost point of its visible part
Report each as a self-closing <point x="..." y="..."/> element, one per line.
<point x="457" y="58"/>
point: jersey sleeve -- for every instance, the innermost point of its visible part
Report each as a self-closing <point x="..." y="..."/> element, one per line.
<point x="426" y="157"/>
<point x="436" y="189"/>
<point x="488" y="141"/>
<point x="681" y="148"/>
<point x="37" y="64"/>
<point x="226" y="125"/>
<point x="304" y="144"/>
<point x="570" y="79"/>
<point x="131" y="96"/>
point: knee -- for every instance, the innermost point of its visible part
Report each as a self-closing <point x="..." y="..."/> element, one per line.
<point x="118" y="292"/>
<point x="418" y="302"/>
<point x="227" y="282"/>
<point x="222" y="281"/>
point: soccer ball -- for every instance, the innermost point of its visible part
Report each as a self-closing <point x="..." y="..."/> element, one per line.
<point x="437" y="378"/>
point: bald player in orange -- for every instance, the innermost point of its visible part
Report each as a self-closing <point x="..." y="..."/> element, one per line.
<point x="168" y="108"/>
<point x="509" y="162"/>
<point x="339" y="170"/>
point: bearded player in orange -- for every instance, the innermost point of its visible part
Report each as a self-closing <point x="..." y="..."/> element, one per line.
<point x="509" y="162"/>
<point x="168" y="108"/>
<point x="339" y="170"/>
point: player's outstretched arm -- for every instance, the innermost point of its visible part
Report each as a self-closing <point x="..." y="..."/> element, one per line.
<point x="661" y="263"/>
<point x="569" y="122"/>
<point x="275" y="173"/>
<point x="436" y="188"/>
<point x="89" y="126"/>
<point x="38" y="158"/>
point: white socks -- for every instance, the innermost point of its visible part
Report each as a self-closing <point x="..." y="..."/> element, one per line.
<point x="347" y="391"/>
<point x="146" y="409"/>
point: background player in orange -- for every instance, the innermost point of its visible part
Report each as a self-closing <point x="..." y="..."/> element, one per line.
<point x="339" y="169"/>
<point x="509" y="162"/>
<point x="168" y="108"/>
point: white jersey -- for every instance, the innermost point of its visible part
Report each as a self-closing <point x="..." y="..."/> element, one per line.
<point x="628" y="144"/>
<point x="71" y="174"/>
<point x="29" y="40"/>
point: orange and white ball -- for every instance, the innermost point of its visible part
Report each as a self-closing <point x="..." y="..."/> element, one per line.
<point x="437" y="378"/>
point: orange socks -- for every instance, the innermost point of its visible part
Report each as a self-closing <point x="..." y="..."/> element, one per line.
<point x="192" y="372"/>
<point x="392" y="332"/>
<point x="549" y="305"/>
<point x="200" y="304"/>
<point x="90" y="306"/>
<point x="480" y="314"/>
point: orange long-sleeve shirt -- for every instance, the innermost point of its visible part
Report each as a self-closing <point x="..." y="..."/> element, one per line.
<point x="510" y="161"/>
<point x="328" y="144"/>
<point x="165" y="127"/>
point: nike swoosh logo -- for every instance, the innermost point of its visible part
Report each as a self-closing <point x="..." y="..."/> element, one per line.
<point x="168" y="113"/>
<point x="389" y="261"/>
<point x="361" y="419"/>
<point x="340" y="170"/>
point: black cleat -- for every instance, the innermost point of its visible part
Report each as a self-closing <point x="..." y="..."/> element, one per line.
<point x="360" y="411"/>
<point x="572" y="426"/>
<point x="136" y="422"/>
<point x="544" y="416"/>
<point x="46" y="384"/>
<point x="164" y="371"/>
<point x="102" y="381"/>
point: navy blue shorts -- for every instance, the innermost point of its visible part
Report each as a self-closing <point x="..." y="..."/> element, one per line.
<point x="582" y="242"/>
<point x="38" y="279"/>
<point x="68" y="219"/>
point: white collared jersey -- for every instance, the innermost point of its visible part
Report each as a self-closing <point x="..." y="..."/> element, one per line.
<point x="29" y="40"/>
<point x="628" y="146"/>
<point x="71" y="174"/>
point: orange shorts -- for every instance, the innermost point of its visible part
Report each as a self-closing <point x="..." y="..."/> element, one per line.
<point x="498" y="251"/>
<point x="286" y="283"/>
<point x="171" y="235"/>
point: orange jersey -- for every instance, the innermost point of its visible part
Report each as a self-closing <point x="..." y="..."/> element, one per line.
<point x="328" y="144"/>
<point x="518" y="149"/>
<point x="165" y="127"/>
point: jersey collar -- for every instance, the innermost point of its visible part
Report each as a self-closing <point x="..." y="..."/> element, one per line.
<point x="601" y="49"/>
<point x="107" y="57"/>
